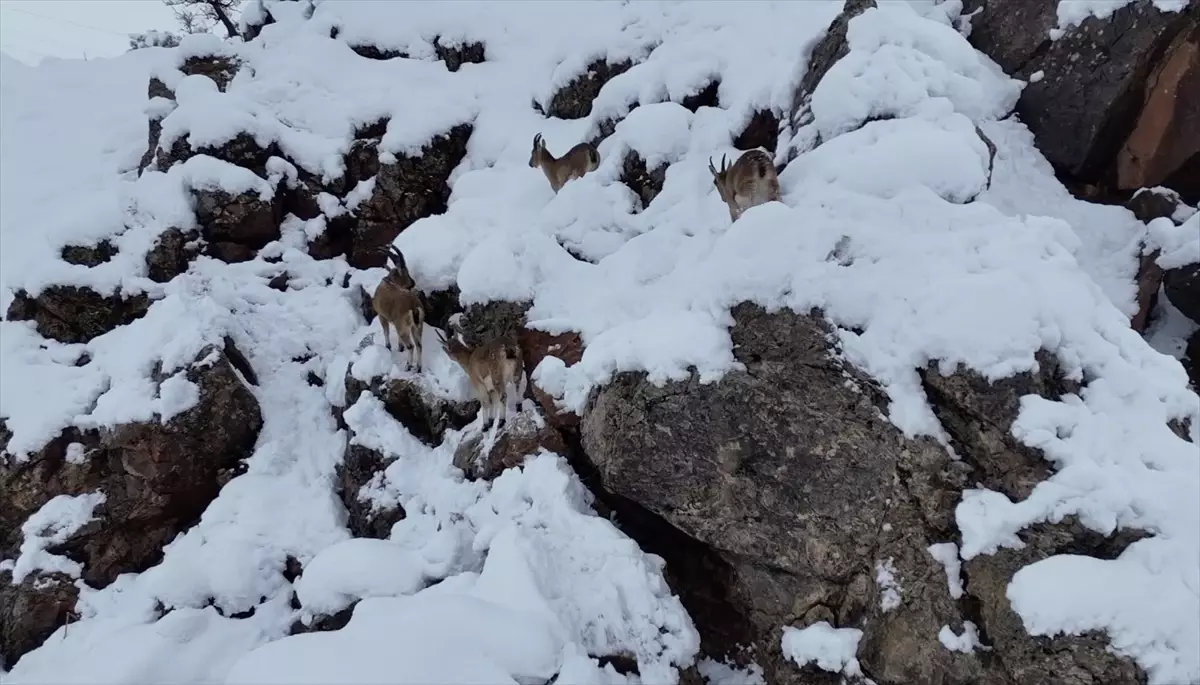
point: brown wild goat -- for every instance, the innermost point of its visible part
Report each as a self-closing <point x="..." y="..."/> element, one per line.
<point x="751" y="181"/>
<point x="579" y="160"/>
<point x="397" y="303"/>
<point x="494" y="369"/>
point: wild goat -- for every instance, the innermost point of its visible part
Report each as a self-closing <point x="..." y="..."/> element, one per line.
<point x="578" y="161"/>
<point x="494" y="369"/>
<point x="397" y="303"/>
<point x="751" y="181"/>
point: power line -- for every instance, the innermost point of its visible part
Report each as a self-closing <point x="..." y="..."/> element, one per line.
<point x="65" y="21"/>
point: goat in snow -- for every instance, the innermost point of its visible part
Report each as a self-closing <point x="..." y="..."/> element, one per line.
<point x="397" y="303"/>
<point x="494" y="369"/>
<point x="579" y="160"/>
<point x="751" y="181"/>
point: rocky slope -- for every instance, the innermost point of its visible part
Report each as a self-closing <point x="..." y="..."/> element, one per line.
<point x="925" y="421"/>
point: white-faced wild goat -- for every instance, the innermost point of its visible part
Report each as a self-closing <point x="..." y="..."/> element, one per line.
<point x="494" y="369"/>
<point x="397" y="303"/>
<point x="751" y="181"/>
<point x="579" y="160"/>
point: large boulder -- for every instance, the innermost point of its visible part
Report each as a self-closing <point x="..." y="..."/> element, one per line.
<point x="236" y="226"/>
<point x="30" y="611"/>
<point x="1092" y="111"/>
<point x="157" y="479"/>
<point x="73" y="314"/>
<point x="798" y="503"/>
<point x="525" y="434"/>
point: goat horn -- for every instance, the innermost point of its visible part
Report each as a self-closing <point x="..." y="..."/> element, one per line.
<point x="712" y="168"/>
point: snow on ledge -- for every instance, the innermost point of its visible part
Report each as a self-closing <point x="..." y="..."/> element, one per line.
<point x="830" y="649"/>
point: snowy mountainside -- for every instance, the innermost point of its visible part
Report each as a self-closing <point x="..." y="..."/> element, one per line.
<point x="926" y="229"/>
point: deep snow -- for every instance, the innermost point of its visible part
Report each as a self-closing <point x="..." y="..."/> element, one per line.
<point x="924" y="277"/>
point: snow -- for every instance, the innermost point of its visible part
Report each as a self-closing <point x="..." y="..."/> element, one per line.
<point x="831" y="649"/>
<point x="966" y="643"/>
<point x="936" y="262"/>
<point x="1071" y="13"/>
<point x="53" y="524"/>
<point x="724" y="673"/>
<point x="889" y="586"/>
<point x="946" y="553"/>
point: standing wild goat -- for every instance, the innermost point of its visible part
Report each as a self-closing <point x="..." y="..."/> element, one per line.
<point x="397" y="303"/>
<point x="494" y="369"/>
<point x="751" y="181"/>
<point x="578" y="161"/>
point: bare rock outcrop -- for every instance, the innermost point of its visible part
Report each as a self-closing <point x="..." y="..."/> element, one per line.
<point x="89" y="255"/>
<point x="456" y="54"/>
<point x="236" y="226"/>
<point x="365" y="519"/>
<point x="408" y="189"/>
<point x="424" y="415"/>
<point x="73" y="314"/>
<point x="788" y="491"/>
<point x="574" y="100"/>
<point x="173" y="251"/>
<point x="645" y="183"/>
<point x="30" y="611"/>
<point x="1105" y="111"/>
<point x="1182" y="287"/>
<point x="824" y="54"/>
<point x="157" y="479"/>
<point x="527" y="433"/>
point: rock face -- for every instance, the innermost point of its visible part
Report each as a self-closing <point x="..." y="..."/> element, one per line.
<point x="89" y="255"/>
<point x="825" y="53"/>
<point x="235" y="226"/>
<point x="1106" y="110"/>
<point x="32" y="610"/>
<point x="574" y="100"/>
<point x="646" y="184"/>
<point x="359" y="467"/>
<point x="1167" y="133"/>
<point x="171" y="254"/>
<point x="425" y="416"/>
<point x="72" y="314"/>
<point x="791" y="491"/>
<point x="526" y="434"/>
<point x="158" y="478"/>
<point x="407" y="190"/>
<point x="1182" y="288"/>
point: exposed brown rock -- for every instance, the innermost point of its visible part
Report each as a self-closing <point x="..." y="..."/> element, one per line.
<point x="89" y="255"/>
<point x="708" y="96"/>
<point x="359" y="467"/>
<point x="375" y="52"/>
<point x="1167" y="132"/>
<point x="1149" y="279"/>
<point x="515" y="440"/>
<point x="646" y="184"/>
<point x="425" y="416"/>
<point x="824" y="54"/>
<point x="218" y="68"/>
<point x="409" y="189"/>
<point x="775" y="492"/>
<point x="241" y="150"/>
<point x="171" y="254"/>
<point x="456" y="55"/>
<point x="71" y="314"/>
<point x="1150" y="204"/>
<point x="1094" y="76"/>
<point x="158" y="478"/>
<point x="762" y="131"/>
<point x="537" y="345"/>
<point x="574" y="100"/>
<point x="31" y="611"/>
<point x="1182" y="288"/>
<point x="243" y="220"/>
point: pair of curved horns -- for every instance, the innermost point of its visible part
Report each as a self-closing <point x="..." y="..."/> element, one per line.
<point x="724" y="166"/>
<point x="537" y="141"/>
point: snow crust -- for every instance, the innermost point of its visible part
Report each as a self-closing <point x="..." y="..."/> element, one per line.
<point x="830" y="649"/>
<point x="947" y="254"/>
<point x="1071" y="13"/>
<point x="52" y="524"/>
<point x="966" y="643"/>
